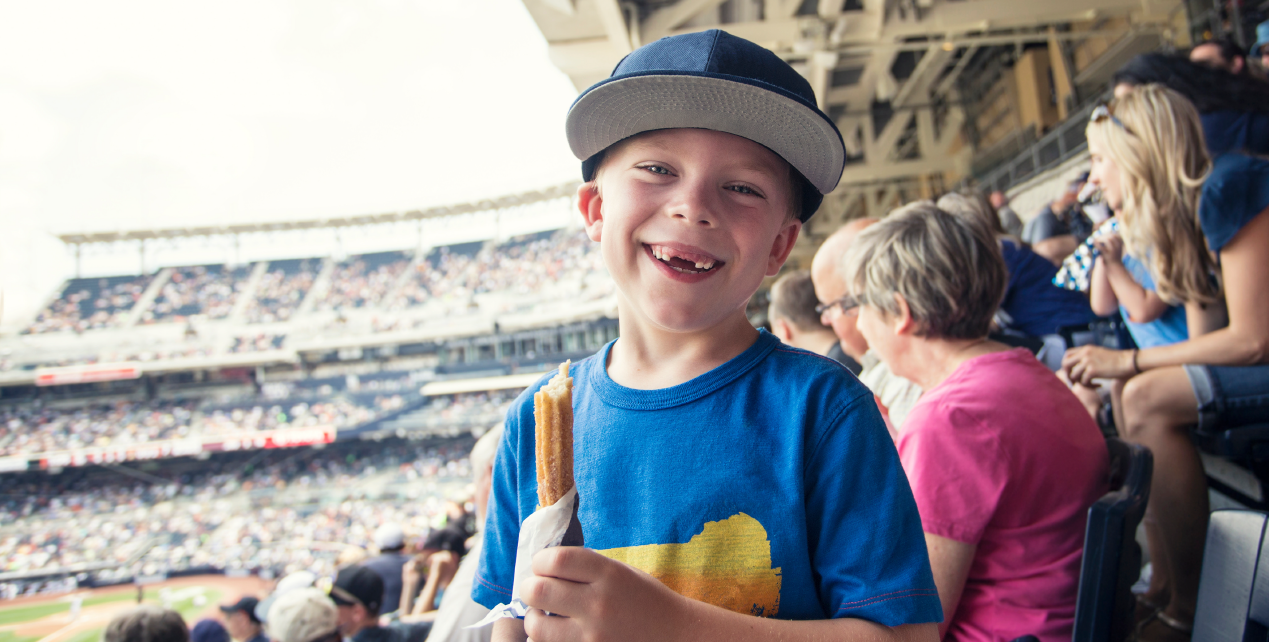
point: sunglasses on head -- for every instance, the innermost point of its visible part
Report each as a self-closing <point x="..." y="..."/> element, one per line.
<point x="1102" y="112"/>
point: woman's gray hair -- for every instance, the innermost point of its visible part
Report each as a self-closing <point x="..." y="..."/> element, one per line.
<point x="146" y="623"/>
<point x="949" y="271"/>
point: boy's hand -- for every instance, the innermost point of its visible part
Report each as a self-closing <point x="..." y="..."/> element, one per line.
<point x="600" y="599"/>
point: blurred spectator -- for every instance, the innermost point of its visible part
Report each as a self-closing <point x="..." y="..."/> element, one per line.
<point x="1234" y="109"/>
<point x="1220" y="53"/>
<point x="241" y="620"/>
<point x="1032" y="304"/>
<point x="208" y="631"/>
<point x="293" y="582"/>
<point x="146" y="623"/>
<point x="350" y="556"/>
<point x="1061" y="226"/>
<point x="1003" y="461"/>
<point x="358" y="594"/>
<point x="895" y="395"/>
<point x="458" y="610"/>
<point x="390" y="540"/>
<point x="304" y="615"/>
<point x="1009" y="221"/>
<point x="1260" y="50"/>
<point x="793" y="318"/>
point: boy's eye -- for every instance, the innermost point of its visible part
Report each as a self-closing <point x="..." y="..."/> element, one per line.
<point x="656" y="169"/>
<point x="744" y="189"/>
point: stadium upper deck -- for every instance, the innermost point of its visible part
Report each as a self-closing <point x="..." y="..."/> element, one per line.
<point x="196" y="313"/>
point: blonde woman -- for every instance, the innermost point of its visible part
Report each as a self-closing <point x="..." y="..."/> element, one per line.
<point x="1204" y="226"/>
<point x="1002" y="459"/>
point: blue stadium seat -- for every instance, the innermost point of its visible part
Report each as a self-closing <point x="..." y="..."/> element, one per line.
<point x="1112" y="557"/>
<point x="1233" y="567"/>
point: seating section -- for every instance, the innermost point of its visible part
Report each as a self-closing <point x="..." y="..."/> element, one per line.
<point x="91" y="304"/>
<point x="212" y="515"/>
<point x="282" y="290"/>
<point x="25" y="430"/>
<point x="364" y="280"/>
<point x="204" y="290"/>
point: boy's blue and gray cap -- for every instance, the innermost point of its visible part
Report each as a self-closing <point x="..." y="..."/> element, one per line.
<point x="711" y="80"/>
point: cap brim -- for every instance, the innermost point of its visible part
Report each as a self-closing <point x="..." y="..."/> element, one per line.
<point x="615" y="110"/>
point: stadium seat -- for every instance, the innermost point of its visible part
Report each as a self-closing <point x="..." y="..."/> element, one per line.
<point x="1247" y="446"/>
<point x="1112" y="557"/>
<point x="1233" y="567"/>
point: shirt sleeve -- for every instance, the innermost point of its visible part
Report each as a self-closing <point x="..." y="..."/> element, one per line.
<point x="958" y="472"/>
<point x="495" y="575"/>
<point x="1236" y="191"/>
<point x="862" y="525"/>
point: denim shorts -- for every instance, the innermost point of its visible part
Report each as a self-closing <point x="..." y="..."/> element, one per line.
<point x="1230" y="396"/>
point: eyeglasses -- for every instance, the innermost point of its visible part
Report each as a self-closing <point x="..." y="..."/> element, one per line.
<point x="847" y="303"/>
<point x="1102" y="112"/>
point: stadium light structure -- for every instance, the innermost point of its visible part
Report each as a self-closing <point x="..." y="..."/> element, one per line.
<point x="564" y="190"/>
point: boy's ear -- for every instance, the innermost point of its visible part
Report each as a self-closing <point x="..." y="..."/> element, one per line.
<point x="782" y="246"/>
<point x="590" y="204"/>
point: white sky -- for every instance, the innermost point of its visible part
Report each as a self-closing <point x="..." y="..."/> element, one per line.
<point x="150" y="113"/>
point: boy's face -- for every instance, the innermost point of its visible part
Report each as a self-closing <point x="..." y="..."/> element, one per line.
<point x="689" y="222"/>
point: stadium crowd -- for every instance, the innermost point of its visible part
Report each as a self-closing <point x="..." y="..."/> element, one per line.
<point x="91" y="304"/>
<point x="281" y="290"/>
<point x="204" y="290"/>
<point x="364" y="280"/>
<point x="25" y="430"/>
<point x="231" y="518"/>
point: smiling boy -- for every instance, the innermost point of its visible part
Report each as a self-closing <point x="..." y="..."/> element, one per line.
<point x="722" y="475"/>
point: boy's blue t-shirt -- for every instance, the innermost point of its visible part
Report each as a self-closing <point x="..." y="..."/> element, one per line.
<point x="1166" y="330"/>
<point x="768" y="485"/>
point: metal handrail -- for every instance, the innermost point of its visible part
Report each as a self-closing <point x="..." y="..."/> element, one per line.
<point x="1062" y="143"/>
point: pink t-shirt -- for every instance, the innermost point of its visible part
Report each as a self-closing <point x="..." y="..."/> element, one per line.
<point x="1003" y="456"/>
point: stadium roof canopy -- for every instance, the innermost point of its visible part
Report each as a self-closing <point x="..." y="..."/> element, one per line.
<point x="565" y="190"/>
<point x="920" y="89"/>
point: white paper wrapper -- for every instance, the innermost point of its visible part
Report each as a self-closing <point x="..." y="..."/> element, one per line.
<point x="541" y="530"/>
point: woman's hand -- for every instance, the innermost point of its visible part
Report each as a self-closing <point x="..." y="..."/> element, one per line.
<point x="1111" y="246"/>
<point x="1085" y="363"/>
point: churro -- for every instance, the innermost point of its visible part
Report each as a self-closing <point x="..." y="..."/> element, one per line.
<point x="553" y="414"/>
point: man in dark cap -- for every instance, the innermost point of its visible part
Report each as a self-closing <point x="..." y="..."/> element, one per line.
<point x="358" y="594"/>
<point x="240" y="619"/>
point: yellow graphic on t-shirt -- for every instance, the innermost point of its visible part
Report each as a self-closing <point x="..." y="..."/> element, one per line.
<point x="728" y="564"/>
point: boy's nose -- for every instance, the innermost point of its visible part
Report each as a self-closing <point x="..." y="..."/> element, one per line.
<point x="695" y="205"/>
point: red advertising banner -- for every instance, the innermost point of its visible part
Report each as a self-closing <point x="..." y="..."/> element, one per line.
<point x="291" y="438"/>
<point x="85" y="374"/>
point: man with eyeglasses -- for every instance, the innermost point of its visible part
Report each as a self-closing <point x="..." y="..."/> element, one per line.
<point x="895" y="395"/>
<point x="794" y="315"/>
